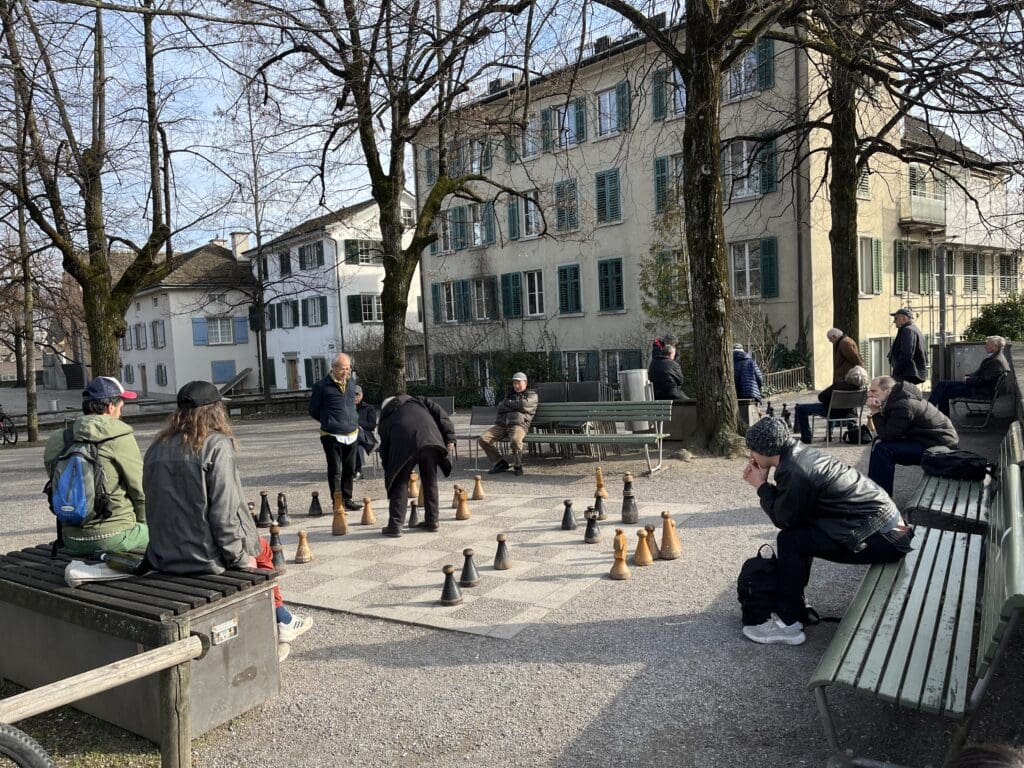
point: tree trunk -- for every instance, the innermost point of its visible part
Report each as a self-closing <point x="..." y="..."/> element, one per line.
<point x="705" y="235"/>
<point x="394" y="298"/>
<point x="31" y="402"/>
<point x="104" y="319"/>
<point x="842" y="185"/>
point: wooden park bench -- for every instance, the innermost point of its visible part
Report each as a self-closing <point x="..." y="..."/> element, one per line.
<point x="907" y="635"/>
<point x="63" y="633"/>
<point x="976" y="406"/>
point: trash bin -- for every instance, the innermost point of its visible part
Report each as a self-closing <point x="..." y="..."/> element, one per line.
<point x="633" y="386"/>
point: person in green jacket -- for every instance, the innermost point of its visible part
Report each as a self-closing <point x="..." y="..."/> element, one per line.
<point x="125" y="529"/>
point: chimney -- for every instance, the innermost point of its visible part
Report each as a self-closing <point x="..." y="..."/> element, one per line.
<point x="218" y="240"/>
<point x="657" y="20"/>
<point x="602" y="44"/>
<point x="239" y="244"/>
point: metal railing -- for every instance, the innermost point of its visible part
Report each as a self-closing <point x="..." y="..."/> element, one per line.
<point x="788" y="380"/>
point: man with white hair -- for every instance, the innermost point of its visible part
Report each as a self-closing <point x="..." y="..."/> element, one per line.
<point x="845" y="354"/>
<point x="981" y="383"/>
<point x="333" y="404"/>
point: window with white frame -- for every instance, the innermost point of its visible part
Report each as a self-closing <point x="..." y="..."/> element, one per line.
<point x="476" y="224"/>
<point x="373" y="310"/>
<point x="974" y="271"/>
<point x="743" y="75"/>
<point x="532" y="220"/>
<point x="220" y="330"/>
<point x="1007" y="273"/>
<point x="745" y="267"/>
<point x="369" y="251"/>
<point x="534" y="292"/>
<point x="565" y="125"/>
<point x="288" y="319"/>
<point x="924" y="265"/>
<point x="477" y="155"/>
<point x="158" y="333"/>
<point x="413" y="366"/>
<point x="741" y="169"/>
<point x="129" y="374"/>
<point x="318" y="365"/>
<point x="607" y="112"/>
<point x="531" y="136"/>
<point x="311" y="310"/>
<point x="449" y="305"/>
<point x="484" y="299"/>
<point x="408" y="218"/>
<point x="311" y="255"/>
<point x="447" y="235"/>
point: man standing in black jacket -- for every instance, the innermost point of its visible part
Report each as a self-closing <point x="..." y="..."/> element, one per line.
<point x="822" y="508"/>
<point x="333" y="404"/>
<point x="908" y="355"/>
<point x="414" y="432"/>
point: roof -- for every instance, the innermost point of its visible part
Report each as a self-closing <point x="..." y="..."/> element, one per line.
<point x="918" y="133"/>
<point x="319" y="223"/>
<point x="209" y="264"/>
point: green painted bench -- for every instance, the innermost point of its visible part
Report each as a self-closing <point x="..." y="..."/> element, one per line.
<point x="594" y="423"/>
<point x="907" y="636"/>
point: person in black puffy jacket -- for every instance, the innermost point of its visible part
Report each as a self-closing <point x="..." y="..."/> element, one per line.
<point x="664" y="373"/>
<point x="823" y="508"/>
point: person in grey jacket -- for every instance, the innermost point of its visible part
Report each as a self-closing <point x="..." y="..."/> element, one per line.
<point x="515" y="414"/>
<point x="823" y="508"/>
<point x="198" y="519"/>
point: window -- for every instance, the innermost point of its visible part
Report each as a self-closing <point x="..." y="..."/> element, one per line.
<point x="479" y="155"/>
<point x="285" y="262"/>
<point x="609" y="208"/>
<point x="621" y="360"/>
<point x="900" y="268"/>
<point x="870" y="250"/>
<point x="414" y="366"/>
<point x="481" y="224"/>
<point x="140" y="336"/>
<point x="531" y="136"/>
<point x="161" y="375"/>
<point x="569" y="292"/>
<point x="668" y="93"/>
<point x="534" y="292"/>
<point x="372" y="308"/>
<point x="668" y="181"/>
<point x="748" y="168"/>
<point x="129" y="374"/>
<point x="754" y="72"/>
<point x="449" y="306"/>
<point x="287" y="314"/>
<point x="512" y="294"/>
<point x="159" y="334"/>
<point x="444" y="224"/>
<point x="485" y="298"/>
<point x="613" y="110"/>
<point x="672" y="278"/>
<point x="1007" y="273"/>
<point x="219" y="330"/>
<point x="311" y="255"/>
<point x="533" y="222"/>
<point x="745" y="263"/>
<point x="314" y="311"/>
<point x="568" y="123"/>
<point x="408" y="218"/>
<point x="138" y="305"/>
<point x="974" y="273"/>
<point x="580" y="366"/>
<point x="864" y="185"/>
<point x="156" y="301"/>
<point x="566" y="206"/>
<point x="430" y="165"/>
<point x="610" y="290"/>
<point x="316" y="369"/>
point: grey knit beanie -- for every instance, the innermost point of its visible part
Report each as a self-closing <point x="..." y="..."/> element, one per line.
<point x="768" y="436"/>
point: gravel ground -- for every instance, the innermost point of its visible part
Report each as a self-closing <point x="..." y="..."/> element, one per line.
<point x="653" y="668"/>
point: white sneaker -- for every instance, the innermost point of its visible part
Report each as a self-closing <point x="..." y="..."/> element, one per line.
<point x="283" y="649"/>
<point x="774" y="631"/>
<point x="287" y="633"/>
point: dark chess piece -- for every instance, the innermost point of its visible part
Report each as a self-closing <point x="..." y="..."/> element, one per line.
<point x="282" y="510"/>
<point x="502" y="558"/>
<point x="630" y="514"/>
<point x="787" y="416"/>
<point x="265" y="518"/>
<point x="414" y="516"/>
<point x="593" y="534"/>
<point x="277" y="549"/>
<point x="315" y="510"/>
<point x="450" y="594"/>
<point x="568" y="517"/>
<point x="769" y="411"/>
<point x="470" y="576"/>
<point x="599" y="508"/>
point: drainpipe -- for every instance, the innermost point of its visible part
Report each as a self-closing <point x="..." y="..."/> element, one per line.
<point x="799" y="56"/>
<point x="423" y="277"/>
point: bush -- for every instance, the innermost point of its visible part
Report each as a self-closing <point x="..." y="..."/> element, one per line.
<point x="1005" y="318"/>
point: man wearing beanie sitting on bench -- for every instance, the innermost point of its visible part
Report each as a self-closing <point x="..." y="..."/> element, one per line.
<point x="823" y="508"/>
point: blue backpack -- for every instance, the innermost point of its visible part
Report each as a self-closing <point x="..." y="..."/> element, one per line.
<point x="77" y="487"/>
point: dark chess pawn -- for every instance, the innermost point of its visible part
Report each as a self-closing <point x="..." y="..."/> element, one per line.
<point x="787" y="416"/>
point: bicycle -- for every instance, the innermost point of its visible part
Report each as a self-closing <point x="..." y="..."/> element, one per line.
<point x="22" y="749"/>
<point x="10" y="432"/>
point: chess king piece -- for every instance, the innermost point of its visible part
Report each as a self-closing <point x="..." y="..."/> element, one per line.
<point x="568" y="517"/>
<point x="601" y="490"/>
<point x="450" y="594"/>
<point x="462" y="513"/>
<point x="620" y="571"/>
<point x="470" y="576"/>
<point x="478" y="488"/>
<point x="455" y="498"/>
<point x="642" y="556"/>
<point x="339" y="524"/>
<point x="282" y="510"/>
<point x="368" y="516"/>
<point x="315" y="510"/>
<point x="265" y="518"/>
<point x="303" y="554"/>
<point x="502" y="558"/>
<point x="599" y="508"/>
<point x="277" y="549"/>
<point x="414" y="516"/>
<point x="652" y="543"/>
<point x="630" y="514"/>
<point x="671" y="549"/>
<point x="252" y="511"/>
<point x="592" y="535"/>
<point x="414" y="486"/>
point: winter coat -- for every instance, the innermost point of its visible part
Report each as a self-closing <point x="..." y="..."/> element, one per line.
<point x="845" y="357"/>
<point x="517" y="409"/>
<point x="198" y="520"/>
<point x="665" y="375"/>
<point x="825" y="398"/>
<point x="121" y="461"/>
<point x="907" y="415"/>
<point x="747" y="375"/>
<point x="407" y="425"/>
<point x="335" y="407"/>
<point x="814" y="488"/>
<point x="367" y="425"/>
<point x="908" y="355"/>
<point x="983" y="381"/>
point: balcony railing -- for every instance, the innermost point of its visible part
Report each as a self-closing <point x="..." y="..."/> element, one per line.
<point x="923" y="207"/>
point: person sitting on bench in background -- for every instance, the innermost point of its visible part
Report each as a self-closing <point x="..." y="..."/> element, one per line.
<point x="515" y="414"/>
<point x="980" y="383"/>
<point x="664" y="373"/>
<point x="856" y="378"/>
<point x="367" y="439"/>
<point x="823" y="508"/>
<point x="199" y="521"/>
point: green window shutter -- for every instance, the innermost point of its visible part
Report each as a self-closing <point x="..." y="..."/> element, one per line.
<point x="512" y="294"/>
<point x="511" y="155"/>
<point x="769" y="268"/>
<point x="439" y="370"/>
<point x="661" y="183"/>
<point x="279" y="311"/>
<point x="630" y="360"/>
<point x="591" y="369"/>
<point x="320" y="253"/>
<point x="513" y="219"/>
<point x="492" y="296"/>
<point x="765" y="63"/>
<point x="865" y="355"/>
<point x="899" y="266"/>
<point x="555" y="365"/>
<point x="568" y="289"/>
<point x="876" y="265"/>
<point x="766" y="167"/>
<point x="604" y="294"/>
<point x="459" y="228"/>
<point x="617" y="287"/>
<point x="463" y="301"/>
<point x="545" y="129"/>
<point x="304" y="319"/>
<point x="295" y="310"/>
<point x="659" y="83"/>
<point x="561" y="213"/>
<point x="488" y="223"/>
<point x="271" y="317"/>
<point x="622" y="104"/>
<point x="308" y="365"/>
<point x="572" y="219"/>
<point x="485" y="155"/>
<point x="601" y="195"/>
<point x="580" y="106"/>
<point x="925" y="271"/>
<point x="435" y="301"/>
<point x="355" y="309"/>
<point x="351" y="251"/>
<point x="270" y="372"/>
<point x="431" y="163"/>
<point x="614" y="204"/>
<point x="323" y="310"/>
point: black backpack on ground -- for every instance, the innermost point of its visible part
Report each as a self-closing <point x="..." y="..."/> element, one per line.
<point x="756" y="587"/>
<point x="956" y="464"/>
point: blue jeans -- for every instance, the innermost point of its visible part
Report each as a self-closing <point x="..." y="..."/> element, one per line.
<point x="886" y="454"/>
<point x="948" y="390"/>
<point x="804" y="411"/>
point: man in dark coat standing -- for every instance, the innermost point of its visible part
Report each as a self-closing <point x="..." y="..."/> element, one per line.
<point x="333" y="404"/>
<point x="664" y="373"/>
<point x="980" y="383"/>
<point x="414" y="432"/>
<point x="908" y="356"/>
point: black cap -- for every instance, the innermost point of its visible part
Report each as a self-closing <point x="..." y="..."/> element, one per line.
<point x="197" y="393"/>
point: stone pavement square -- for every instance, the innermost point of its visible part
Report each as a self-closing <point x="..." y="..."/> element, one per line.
<point x="368" y="574"/>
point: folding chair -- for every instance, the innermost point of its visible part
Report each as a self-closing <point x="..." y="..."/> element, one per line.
<point x="842" y="401"/>
<point x="975" y="406"/>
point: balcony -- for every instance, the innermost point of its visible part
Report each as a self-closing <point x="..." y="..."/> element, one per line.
<point x="920" y="207"/>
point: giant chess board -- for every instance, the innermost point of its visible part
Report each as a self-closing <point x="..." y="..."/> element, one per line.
<point x="400" y="579"/>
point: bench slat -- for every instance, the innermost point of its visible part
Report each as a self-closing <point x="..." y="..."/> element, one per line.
<point x="118" y="590"/>
<point x="124" y="606"/>
<point x="960" y="662"/>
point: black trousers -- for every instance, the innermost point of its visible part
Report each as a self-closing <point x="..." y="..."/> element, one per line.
<point x="341" y="466"/>
<point x="797" y="548"/>
<point x="398" y="497"/>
